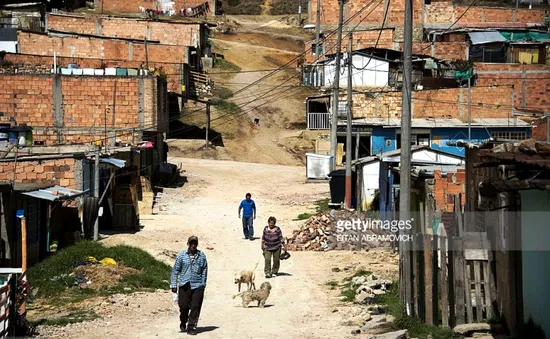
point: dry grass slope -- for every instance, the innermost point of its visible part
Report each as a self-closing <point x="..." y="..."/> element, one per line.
<point x="254" y="7"/>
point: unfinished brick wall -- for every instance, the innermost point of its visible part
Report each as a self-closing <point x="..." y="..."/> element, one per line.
<point x="35" y="43"/>
<point x="374" y="14"/>
<point x="51" y="171"/>
<point x="446" y="13"/>
<point x="175" y="33"/>
<point x="487" y="102"/>
<point x="360" y="39"/>
<point x="531" y="82"/>
<point x="442" y="50"/>
<point x="36" y="64"/>
<point x="445" y="189"/>
<point x="82" y="119"/>
<point x="122" y="6"/>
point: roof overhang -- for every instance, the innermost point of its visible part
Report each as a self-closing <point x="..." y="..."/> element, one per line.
<point x="55" y="193"/>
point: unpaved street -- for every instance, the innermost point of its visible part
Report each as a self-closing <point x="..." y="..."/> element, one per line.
<point x="300" y="305"/>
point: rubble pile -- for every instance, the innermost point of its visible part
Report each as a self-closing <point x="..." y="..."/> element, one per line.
<point x="327" y="231"/>
<point x="368" y="289"/>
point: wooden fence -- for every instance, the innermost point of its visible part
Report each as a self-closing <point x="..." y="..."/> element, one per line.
<point x="8" y="302"/>
<point x="450" y="279"/>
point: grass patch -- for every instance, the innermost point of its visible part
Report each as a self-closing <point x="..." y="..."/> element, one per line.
<point x="221" y="92"/>
<point x="226" y="106"/>
<point x="225" y="65"/>
<point x="52" y="279"/>
<point x="348" y="291"/>
<point x="416" y="328"/>
<point x="320" y="206"/>
<point x="332" y="284"/>
<point x="360" y="273"/>
<point x="71" y="318"/>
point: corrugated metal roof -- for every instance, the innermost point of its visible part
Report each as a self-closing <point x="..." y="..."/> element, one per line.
<point x="478" y="38"/>
<point x="439" y="123"/>
<point x="55" y="193"/>
<point x="112" y="161"/>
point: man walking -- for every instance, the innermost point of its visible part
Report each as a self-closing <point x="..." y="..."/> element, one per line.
<point x="189" y="274"/>
<point x="249" y="214"/>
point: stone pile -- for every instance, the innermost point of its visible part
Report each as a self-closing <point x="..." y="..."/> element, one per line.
<point x="327" y="231"/>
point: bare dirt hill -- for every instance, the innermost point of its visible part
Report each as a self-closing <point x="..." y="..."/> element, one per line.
<point x="277" y="102"/>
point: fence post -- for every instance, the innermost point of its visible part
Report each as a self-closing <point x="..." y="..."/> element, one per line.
<point x="428" y="277"/>
<point x="459" y="287"/>
<point x="444" y="283"/>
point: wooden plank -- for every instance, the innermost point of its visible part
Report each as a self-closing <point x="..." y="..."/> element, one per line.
<point x="421" y="283"/>
<point x="422" y="219"/>
<point x="444" y="283"/>
<point x="4" y="289"/>
<point x="459" y="216"/>
<point x="428" y="278"/>
<point x="415" y="273"/>
<point x="451" y="284"/>
<point x="435" y="280"/>
<point x="459" y="284"/>
<point x="479" y="301"/>
<point x="468" y="289"/>
<point x="487" y="289"/>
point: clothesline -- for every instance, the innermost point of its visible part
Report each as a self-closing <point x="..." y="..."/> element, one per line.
<point x="185" y="12"/>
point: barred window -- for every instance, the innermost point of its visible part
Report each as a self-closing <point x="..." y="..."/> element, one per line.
<point x="509" y="135"/>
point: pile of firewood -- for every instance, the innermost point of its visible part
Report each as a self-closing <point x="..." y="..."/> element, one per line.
<point x="320" y="233"/>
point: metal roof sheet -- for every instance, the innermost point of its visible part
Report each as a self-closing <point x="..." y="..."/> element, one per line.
<point x="439" y="122"/>
<point x="478" y="38"/>
<point x="112" y="161"/>
<point x="55" y="193"/>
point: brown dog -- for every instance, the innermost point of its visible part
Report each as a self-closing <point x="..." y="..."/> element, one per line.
<point x="260" y="295"/>
<point x="247" y="277"/>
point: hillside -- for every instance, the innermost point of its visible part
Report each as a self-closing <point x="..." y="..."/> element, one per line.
<point x="257" y="7"/>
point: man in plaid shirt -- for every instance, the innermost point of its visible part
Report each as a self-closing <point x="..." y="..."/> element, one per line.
<point x="189" y="275"/>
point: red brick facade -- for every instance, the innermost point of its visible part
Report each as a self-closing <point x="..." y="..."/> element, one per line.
<point x="487" y="102"/>
<point x="99" y="48"/>
<point x="173" y="33"/>
<point x="123" y="6"/>
<point x="52" y="172"/>
<point x="83" y="101"/>
<point x="442" y="50"/>
<point x="437" y="12"/>
<point x="445" y="189"/>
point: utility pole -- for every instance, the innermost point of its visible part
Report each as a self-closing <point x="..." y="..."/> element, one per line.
<point x="96" y="189"/>
<point x="317" y="31"/>
<point x="348" y="129"/>
<point x="207" y="122"/>
<point x="405" y="179"/>
<point x="336" y="88"/>
<point x="469" y="108"/>
<point x="300" y="13"/>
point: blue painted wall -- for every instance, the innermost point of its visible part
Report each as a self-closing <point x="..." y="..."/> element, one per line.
<point x="440" y="137"/>
<point x="379" y="137"/>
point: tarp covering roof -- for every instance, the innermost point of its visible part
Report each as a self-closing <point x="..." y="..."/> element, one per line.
<point x="112" y="161"/>
<point x="55" y="193"/>
<point x="478" y="38"/>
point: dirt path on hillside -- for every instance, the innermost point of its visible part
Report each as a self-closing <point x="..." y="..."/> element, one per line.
<point x="300" y="305"/>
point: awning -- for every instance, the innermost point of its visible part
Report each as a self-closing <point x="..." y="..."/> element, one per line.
<point x="478" y="38"/>
<point x="55" y="193"/>
<point x="112" y="161"/>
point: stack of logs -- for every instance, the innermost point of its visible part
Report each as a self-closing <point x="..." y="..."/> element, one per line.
<point x="321" y="233"/>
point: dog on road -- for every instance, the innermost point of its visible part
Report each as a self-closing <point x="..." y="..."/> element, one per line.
<point x="260" y="295"/>
<point x="247" y="277"/>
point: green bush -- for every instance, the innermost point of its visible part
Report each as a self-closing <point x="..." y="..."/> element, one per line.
<point x="51" y="275"/>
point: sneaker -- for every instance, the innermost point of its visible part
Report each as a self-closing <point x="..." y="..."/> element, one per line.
<point x="192" y="331"/>
<point x="275" y="274"/>
<point x="250" y="238"/>
<point x="245" y="238"/>
<point x="183" y="329"/>
<point x="268" y="276"/>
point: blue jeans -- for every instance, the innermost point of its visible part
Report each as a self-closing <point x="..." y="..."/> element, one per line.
<point x="248" y="228"/>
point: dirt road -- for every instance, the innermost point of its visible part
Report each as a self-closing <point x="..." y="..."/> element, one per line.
<point x="300" y="305"/>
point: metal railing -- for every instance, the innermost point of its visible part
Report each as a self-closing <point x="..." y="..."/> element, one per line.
<point x="318" y="120"/>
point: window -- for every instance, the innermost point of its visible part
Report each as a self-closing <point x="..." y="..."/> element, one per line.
<point x="506" y="135"/>
<point x="416" y="139"/>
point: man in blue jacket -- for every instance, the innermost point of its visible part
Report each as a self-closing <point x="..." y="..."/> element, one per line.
<point x="249" y="214"/>
<point x="189" y="281"/>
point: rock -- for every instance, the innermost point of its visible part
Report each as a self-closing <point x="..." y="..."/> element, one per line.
<point x="334" y="310"/>
<point x="379" y="292"/>
<point x="342" y="298"/>
<point x="466" y="329"/>
<point x="375" y="310"/>
<point x="358" y="281"/>
<point x="354" y="332"/>
<point x="363" y="297"/>
<point x="335" y="269"/>
<point x="402" y="334"/>
<point x="127" y="288"/>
